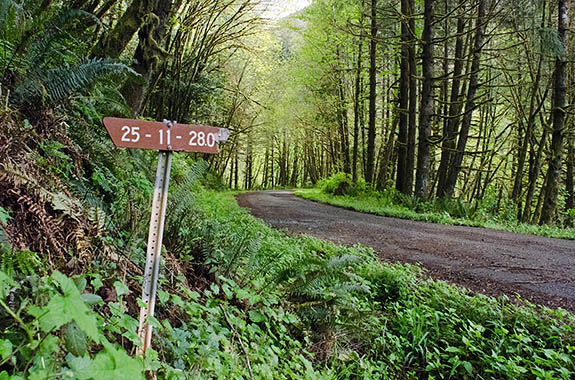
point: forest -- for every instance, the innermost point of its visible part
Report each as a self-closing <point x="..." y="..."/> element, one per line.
<point x="434" y="99"/>
<point x="453" y="112"/>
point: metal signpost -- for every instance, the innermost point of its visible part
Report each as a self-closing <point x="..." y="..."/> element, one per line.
<point x="165" y="137"/>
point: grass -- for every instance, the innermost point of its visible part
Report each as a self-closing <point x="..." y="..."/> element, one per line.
<point x="381" y="205"/>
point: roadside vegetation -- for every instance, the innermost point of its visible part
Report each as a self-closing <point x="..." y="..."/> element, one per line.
<point x="236" y="299"/>
<point x="241" y="300"/>
<point x="490" y="212"/>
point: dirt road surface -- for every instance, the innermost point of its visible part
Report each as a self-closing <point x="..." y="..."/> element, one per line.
<point x="538" y="269"/>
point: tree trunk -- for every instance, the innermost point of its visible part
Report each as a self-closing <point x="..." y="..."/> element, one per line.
<point x="570" y="201"/>
<point x="148" y="55"/>
<point x="343" y="124"/>
<point x="559" y="94"/>
<point x="410" y="159"/>
<point x="372" y="95"/>
<point x="534" y="171"/>
<point x="469" y="104"/>
<point x="358" y="94"/>
<point x="402" y="136"/>
<point x="450" y="132"/>
<point x="426" y="108"/>
<point x="112" y="44"/>
<point x="534" y="109"/>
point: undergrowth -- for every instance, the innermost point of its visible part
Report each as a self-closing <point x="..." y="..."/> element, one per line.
<point x="488" y="213"/>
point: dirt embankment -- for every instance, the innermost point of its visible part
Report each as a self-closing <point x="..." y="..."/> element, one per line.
<point x="538" y="269"/>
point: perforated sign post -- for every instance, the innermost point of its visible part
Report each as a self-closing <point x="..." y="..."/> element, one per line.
<point x="165" y="137"/>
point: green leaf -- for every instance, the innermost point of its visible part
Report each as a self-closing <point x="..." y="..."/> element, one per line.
<point x="67" y="308"/>
<point x="121" y="288"/>
<point x="91" y="299"/>
<point x="163" y="296"/>
<point x="80" y="283"/>
<point x="5" y="348"/>
<point x="468" y="367"/>
<point x="75" y="339"/>
<point x="110" y="363"/>
<point x="6" y="376"/>
<point x="38" y="375"/>
<point x="6" y="283"/>
<point x="4" y="215"/>
<point x="256" y="316"/>
<point x="97" y="282"/>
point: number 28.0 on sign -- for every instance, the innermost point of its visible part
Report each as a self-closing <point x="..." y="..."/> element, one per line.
<point x="195" y="138"/>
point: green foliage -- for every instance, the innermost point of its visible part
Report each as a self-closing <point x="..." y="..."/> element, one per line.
<point x="410" y="327"/>
<point x="61" y="340"/>
<point x="444" y="211"/>
<point x="66" y="308"/>
<point x="49" y="55"/>
<point x="324" y="291"/>
<point x="55" y="85"/>
<point x="24" y="262"/>
<point x="341" y="184"/>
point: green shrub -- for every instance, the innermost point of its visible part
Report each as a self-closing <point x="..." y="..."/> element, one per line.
<point x="341" y="184"/>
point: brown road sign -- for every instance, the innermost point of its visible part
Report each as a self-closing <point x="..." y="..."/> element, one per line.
<point x="131" y="133"/>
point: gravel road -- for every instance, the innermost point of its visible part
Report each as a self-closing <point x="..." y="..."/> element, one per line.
<point x="538" y="269"/>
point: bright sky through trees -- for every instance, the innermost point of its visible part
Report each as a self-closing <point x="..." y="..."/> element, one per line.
<point x="275" y="9"/>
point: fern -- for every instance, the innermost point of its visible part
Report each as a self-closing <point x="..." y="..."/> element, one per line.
<point x="20" y="263"/>
<point x="55" y="85"/>
<point x="57" y="42"/>
<point x="323" y="289"/>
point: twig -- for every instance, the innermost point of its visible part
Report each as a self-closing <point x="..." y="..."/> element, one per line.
<point x="19" y="320"/>
<point x="239" y="340"/>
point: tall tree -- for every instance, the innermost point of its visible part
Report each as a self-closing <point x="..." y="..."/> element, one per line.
<point x="148" y="54"/>
<point x="559" y="94"/>
<point x="470" y="105"/>
<point x="426" y="109"/>
<point x="402" y="137"/>
<point x="450" y="130"/>
<point x="113" y="43"/>
<point x="358" y="94"/>
<point x="372" y="95"/>
<point x="412" y="128"/>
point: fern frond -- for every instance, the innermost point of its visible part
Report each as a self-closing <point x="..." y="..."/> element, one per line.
<point x="57" y="40"/>
<point x="342" y="262"/>
<point x="56" y="85"/>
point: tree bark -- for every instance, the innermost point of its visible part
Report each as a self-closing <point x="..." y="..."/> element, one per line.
<point x="358" y="94"/>
<point x="410" y="159"/>
<point x="450" y="132"/>
<point x="534" y="109"/>
<point x="343" y="124"/>
<point x="426" y="108"/>
<point x="372" y="95"/>
<point x="570" y="201"/>
<point x="400" y="180"/>
<point x="535" y="169"/>
<point x="112" y="44"/>
<point x="559" y="94"/>
<point x="148" y="55"/>
<point x="455" y="167"/>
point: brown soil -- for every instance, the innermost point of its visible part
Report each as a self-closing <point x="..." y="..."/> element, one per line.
<point x="534" y="268"/>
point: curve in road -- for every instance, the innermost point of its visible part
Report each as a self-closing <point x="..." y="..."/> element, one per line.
<point x="539" y="269"/>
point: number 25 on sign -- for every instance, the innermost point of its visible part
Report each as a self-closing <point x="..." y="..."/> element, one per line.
<point x="166" y="137"/>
